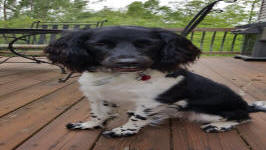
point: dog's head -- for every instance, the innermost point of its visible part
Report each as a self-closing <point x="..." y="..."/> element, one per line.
<point x="122" y="48"/>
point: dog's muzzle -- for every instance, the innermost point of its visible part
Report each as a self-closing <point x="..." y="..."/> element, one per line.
<point x="127" y="64"/>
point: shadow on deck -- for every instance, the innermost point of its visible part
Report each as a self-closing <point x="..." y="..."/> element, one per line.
<point x="34" y="109"/>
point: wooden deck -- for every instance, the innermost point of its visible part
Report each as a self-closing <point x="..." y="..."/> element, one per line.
<point x="34" y="109"/>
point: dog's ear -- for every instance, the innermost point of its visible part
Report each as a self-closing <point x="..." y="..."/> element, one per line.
<point x="176" y="51"/>
<point x="70" y="51"/>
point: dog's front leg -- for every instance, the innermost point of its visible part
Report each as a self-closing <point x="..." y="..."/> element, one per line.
<point x="100" y="111"/>
<point x="141" y="117"/>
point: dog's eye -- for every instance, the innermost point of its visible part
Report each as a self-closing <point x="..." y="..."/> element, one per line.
<point x="143" y="43"/>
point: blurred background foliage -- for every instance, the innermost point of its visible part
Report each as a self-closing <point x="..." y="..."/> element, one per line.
<point x="21" y="13"/>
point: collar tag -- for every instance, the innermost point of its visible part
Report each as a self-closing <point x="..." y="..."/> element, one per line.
<point x="143" y="77"/>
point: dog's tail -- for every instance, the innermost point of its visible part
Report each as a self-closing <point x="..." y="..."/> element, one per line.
<point x="257" y="106"/>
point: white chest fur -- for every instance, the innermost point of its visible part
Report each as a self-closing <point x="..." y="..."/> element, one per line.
<point x="124" y="87"/>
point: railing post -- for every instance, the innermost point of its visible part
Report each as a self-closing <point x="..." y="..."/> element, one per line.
<point x="233" y="43"/>
<point x="244" y="45"/>
<point x="53" y="36"/>
<point x="224" y="38"/>
<point x="43" y="39"/>
<point x="202" y="40"/>
<point x="212" y="41"/>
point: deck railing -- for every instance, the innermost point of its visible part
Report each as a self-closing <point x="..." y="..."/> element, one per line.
<point x="210" y="40"/>
<point x="215" y="40"/>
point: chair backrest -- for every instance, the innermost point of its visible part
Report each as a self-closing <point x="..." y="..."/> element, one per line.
<point x="46" y="38"/>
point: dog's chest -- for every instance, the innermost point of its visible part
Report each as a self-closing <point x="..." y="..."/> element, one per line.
<point x="122" y="87"/>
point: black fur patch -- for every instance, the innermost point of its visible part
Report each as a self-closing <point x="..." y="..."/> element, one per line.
<point x="153" y="114"/>
<point x="70" y="126"/>
<point x="205" y="96"/>
<point x="105" y="104"/>
<point x="147" y="110"/>
<point x="130" y="114"/>
<point x="132" y="129"/>
<point x="114" y="105"/>
<point x="140" y="117"/>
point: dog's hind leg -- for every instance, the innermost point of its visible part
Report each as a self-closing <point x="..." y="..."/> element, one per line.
<point x="232" y="119"/>
<point x="221" y="126"/>
<point x="100" y="112"/>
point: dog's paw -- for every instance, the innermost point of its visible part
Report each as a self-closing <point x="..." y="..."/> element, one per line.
<point x="212" y="128"/>
<point x="120" y="132"/>
<point x="83" y="126"/>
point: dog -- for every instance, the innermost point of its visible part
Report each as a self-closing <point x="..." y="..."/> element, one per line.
<point x="145" y="67"/>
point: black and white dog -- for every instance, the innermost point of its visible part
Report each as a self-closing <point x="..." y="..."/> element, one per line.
<point x="145" y="66"/>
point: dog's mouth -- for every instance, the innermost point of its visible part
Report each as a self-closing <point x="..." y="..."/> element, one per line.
<point x="133" y="64"/>
<point x="116" y="69"/>
<point x="127" y="69"/>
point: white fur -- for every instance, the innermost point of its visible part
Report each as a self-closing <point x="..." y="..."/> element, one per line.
<point x="219" y="126"/>
<point x="182" y="103"/>
<point x="124" y="87"/>
<point x="201" y="117"/>
<point x="261" y="105"/>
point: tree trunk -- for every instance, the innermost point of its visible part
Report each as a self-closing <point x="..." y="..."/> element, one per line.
<point x="31" y="6"/>
<point x="251" y="11"/>
<point x="4" y="9"/>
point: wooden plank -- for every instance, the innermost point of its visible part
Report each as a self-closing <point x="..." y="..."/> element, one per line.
<point x="23" y="83"/>
<point x="8" y="69"/>
<point x="26" y="121"/>
<point x="20" y="98"/>
<point x="255" y="131"/>
<point x="259" y="67"/>
<point x="188" y="135"/>
<point x="19" y="75"/>
<point x="56" y="136"/>
<point x="241" y="76"/>
<point x="5" y="73"/>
